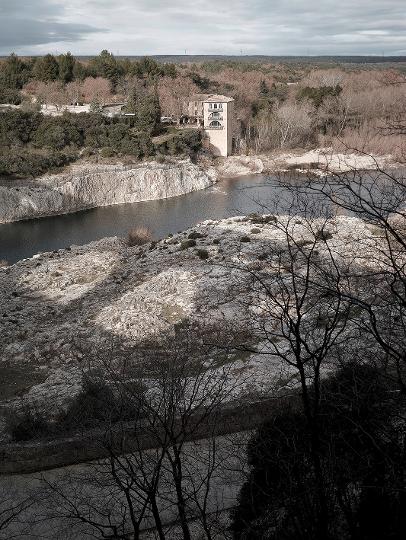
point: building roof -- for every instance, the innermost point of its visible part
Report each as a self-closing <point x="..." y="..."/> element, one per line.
<point x="211" y="98"/>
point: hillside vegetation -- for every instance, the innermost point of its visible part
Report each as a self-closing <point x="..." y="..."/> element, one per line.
<point x="280" y="105"/>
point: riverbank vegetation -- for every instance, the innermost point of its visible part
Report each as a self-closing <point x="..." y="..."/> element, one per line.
<point x="278" y="106"/>
<point x="32" y="144"/>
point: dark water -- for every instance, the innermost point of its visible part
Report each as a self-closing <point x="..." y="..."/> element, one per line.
<point x="227" y="198"/>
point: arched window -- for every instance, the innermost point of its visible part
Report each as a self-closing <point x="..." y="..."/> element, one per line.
<point x="215" y="123"/>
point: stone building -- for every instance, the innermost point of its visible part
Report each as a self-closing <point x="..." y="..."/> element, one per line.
<point x="214" y="113"/>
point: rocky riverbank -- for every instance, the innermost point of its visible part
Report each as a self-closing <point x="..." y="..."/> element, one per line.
<point x="90" y="186"/>
<point x="93" y="185"/>
<point x="318" y="161"/>
<point x="63" y="308"/>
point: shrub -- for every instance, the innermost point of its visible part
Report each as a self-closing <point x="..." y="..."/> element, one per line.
<point x="202" y="254"/>
<point x="323" y="235"/>
<point x="10" y="95"/>
<point x="17" y="127"/>
<point x="57" y="133"/>
<point x="194" y="234"/>
<point x="97" y="404"/>
<point x="24" y="131"/>
<point x="27" y="424"/>
<point x="262" y="220"/>
<point x="91" y="406"/>
<point x="303" y="243"/>
<point x="188" y="142"/>
<point x="245" y="239"/>
<point x="318" y="95"/>
<point x="139" y="236"/>
<point x="27" y="163"/>
<point x="186" y="244"/>
<point x="87" y="152"/>
<point x="107" y="152"/>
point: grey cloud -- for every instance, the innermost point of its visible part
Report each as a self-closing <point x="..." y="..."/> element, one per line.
<point x="24" y="32"/>
<point x="30" y="8"/>
<point x="209" y="26"/>
<point x="25" y="23"/>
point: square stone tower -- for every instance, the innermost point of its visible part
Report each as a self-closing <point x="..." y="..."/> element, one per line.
<point x="215" y="114"/>
<point x="218" y="112"/>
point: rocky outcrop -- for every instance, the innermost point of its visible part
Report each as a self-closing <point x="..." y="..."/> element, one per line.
<point x="317" y="161"/>
<point x="100" y="185"/>
<point x="60" y="311"/>
<point x="240" y="166"/>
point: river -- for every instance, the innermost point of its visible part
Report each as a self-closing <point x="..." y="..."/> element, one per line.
<point x="243" y="195"/>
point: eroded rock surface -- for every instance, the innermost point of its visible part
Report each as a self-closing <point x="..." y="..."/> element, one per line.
<point x="58" y="308"/>
<point x="100" y="185"/>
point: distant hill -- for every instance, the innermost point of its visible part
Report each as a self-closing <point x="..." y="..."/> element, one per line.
<point x="260" y="59"/>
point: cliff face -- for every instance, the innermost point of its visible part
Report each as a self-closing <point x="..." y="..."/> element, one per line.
<point x="100" y="185"/>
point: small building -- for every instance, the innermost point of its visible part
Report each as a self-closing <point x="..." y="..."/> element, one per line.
<point x="214" y="113"/>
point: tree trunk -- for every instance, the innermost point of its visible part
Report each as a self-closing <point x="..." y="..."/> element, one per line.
<point x="157" y="518"/>
<point x="181" y="503"/>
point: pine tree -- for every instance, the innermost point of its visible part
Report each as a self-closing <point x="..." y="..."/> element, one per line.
<point x="46" y="68"/>
<point x="14" y="73"/>
<point x="66" y="64"/>
<point x="148" y="115"/>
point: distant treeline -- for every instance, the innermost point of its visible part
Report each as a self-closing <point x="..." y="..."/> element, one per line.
<point x="15" y="72"/>
<point x="180" y="58"/>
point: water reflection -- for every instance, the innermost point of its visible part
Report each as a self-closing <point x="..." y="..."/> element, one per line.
<point x="227" y="198"/>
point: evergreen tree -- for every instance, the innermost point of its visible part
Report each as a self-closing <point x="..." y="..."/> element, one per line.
<point x="79" y="71"/>
<point x="66" y="63"/>
<point x="149" y="113"/>
<point x="147" y="110"/>
<point x="46" y="68"/>
<point x="14" y="72"/>
<point x="132" y="102"/>
<point x="362" y="462"/>
<point x="105" y="65"/>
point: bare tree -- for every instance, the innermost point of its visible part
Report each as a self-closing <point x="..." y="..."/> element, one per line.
<point x="74" y="92"/>
<point x="13" y="511"/>
<point x="168" y="396"/>
<point x="378" y="198"/>
<point x="302" y="319"/>
<point x="293" y="125"/>
<point x="96" y="89"/>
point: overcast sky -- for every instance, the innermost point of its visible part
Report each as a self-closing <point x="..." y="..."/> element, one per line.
<point x="138" y="27"/>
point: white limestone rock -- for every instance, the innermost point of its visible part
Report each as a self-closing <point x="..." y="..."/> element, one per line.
<point x="101" y="185"/>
